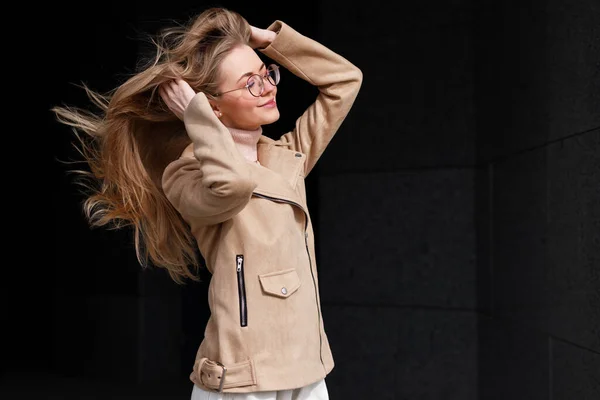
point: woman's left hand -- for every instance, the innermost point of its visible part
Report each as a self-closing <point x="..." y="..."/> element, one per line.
<point x="176" y="94"/>
<point x="261" y="38"/>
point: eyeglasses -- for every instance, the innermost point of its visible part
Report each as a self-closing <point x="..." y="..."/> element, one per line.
<point x="256" y="83"/>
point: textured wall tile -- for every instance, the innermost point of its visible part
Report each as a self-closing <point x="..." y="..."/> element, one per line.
<point x="520" y="281"/>
<point x="398" y="238"/>
<point x="546" y="264"/>
<point x="573" y="250"/>
<point x="394" y="353"/>
<point x="415" y="107"/>
<point x="513" y="361"/>
<point x="536" y="73"/>
<point x="575" y="372"/>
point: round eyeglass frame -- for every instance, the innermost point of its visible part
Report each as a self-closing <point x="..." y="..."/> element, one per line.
<point x="271" y="68"/>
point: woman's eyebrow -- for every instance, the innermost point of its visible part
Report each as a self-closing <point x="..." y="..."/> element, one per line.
<point x="252" y="73"/>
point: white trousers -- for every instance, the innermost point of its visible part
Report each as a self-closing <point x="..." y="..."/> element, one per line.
<point x="315" y="391"/>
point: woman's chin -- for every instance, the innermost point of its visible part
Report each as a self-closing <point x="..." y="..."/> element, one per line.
<point x="269" y="119"/>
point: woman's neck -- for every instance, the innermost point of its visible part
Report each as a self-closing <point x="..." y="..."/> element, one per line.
<point x="246" y="142"/>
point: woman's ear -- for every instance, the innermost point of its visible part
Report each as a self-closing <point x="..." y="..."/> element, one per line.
<point x="215" y="108"/>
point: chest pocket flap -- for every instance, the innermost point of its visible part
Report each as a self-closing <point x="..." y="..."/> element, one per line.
<point x="280" y="283"/>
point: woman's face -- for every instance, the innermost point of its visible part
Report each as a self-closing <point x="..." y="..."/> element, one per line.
<point x="239" y="109"/>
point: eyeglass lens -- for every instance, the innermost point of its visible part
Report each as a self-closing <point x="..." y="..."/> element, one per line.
<point x="256" y="85"/>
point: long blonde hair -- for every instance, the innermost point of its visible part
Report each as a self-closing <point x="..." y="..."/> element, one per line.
<point x="133" y="136"/>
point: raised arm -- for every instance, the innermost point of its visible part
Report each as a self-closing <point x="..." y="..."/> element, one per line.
<point x="211" y="181"/>
<point x="338" y="82"/>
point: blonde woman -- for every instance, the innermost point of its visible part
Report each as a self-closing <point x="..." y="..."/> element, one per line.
<point x="179" y="155"/>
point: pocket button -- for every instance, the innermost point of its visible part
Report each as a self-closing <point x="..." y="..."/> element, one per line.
<point x="283" y="290"/>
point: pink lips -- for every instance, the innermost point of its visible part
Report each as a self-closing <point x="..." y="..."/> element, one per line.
<point x="270" y="104"/>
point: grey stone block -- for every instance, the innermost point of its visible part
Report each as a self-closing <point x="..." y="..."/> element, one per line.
<point x="484" y="237"/>
<point x="509" y="93"/>
<point x="546" y="239"/>
<point x="575" y="372"/>
<point x="520" y="280"/>
<point x="398" y="238"/>
<point x="402" y="354"/>
<point x="573" y="247"/>
<point x="513" y="361"/>
<point x="416" y="105"/>
<point x="536" y="76"/>
<point x="570" y="73"/>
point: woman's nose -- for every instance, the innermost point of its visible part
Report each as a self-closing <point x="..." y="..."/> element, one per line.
<point x="268" y="87"/>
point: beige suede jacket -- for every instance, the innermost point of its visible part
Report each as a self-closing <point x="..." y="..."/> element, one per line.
<point x="254" y="230"/>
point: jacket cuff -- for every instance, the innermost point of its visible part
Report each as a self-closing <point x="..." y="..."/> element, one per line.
<point x="282" y="41"/>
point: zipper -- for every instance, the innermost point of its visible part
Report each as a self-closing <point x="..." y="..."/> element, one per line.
<point x="241" y="289"/>
<point x="278" y="200"/>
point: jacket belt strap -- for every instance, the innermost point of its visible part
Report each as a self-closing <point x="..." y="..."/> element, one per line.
<point x="217" y="376"/>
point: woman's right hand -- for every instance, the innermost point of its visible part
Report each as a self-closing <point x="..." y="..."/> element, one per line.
<point x="176" y="94"/>
<point x="261" y="38"/>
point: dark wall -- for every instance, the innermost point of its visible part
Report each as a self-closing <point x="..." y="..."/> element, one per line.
<point x="456" y="211"/>
<point x="538" y="134"/>
<point x="396" y="199"/>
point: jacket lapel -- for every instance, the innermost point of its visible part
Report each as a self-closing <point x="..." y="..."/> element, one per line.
<point x="278" y="174"/>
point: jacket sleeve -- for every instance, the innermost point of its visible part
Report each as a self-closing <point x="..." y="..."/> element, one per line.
<point x="337" y="80"/>
<point x="214" y="184"/>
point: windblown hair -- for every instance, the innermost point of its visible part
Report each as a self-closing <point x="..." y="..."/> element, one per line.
<point x="133" y="136"/>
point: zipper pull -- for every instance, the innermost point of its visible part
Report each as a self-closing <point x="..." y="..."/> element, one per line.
<point x="239" y="263"/>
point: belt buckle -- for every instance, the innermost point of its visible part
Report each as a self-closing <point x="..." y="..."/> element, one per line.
<point x="222" y="376"/>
